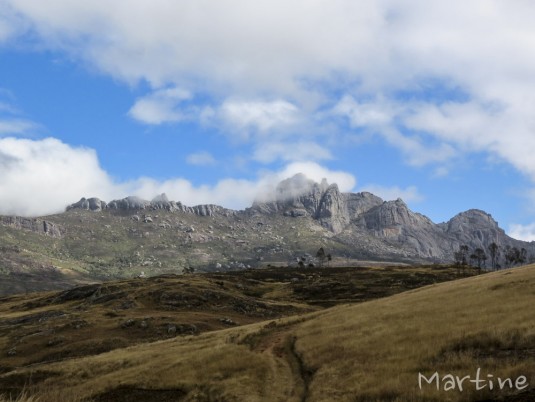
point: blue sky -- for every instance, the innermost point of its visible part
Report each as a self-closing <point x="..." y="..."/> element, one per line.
<point x="215" y="102"/>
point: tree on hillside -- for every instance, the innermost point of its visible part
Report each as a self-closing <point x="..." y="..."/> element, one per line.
<point x="461" y="255"/>
<point x="523" y="256"/>
<point x="514" y="256"/>
<point x="494" y="251"/>
<point x="479" y="257"/>
<point x="321" y="256"/>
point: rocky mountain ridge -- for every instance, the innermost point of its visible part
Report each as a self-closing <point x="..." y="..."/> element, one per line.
<point x="160" y="202"/>
<point x="94" y="239"/>
<point x="347" y="216"/>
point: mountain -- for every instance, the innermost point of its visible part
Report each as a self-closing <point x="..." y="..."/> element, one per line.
<point x="94" y="239"/>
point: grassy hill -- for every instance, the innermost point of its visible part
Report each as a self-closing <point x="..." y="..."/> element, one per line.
<point x="371" y="351"/>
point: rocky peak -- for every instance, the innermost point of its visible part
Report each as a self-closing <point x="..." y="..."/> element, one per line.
<point x="392" y="214"/>
<point x="133" y="203"/>
<point x="473" y="218"/>
<point x="130" y="202"/>
<point x="297" y="186"/>
<point x="299" y="196"/>
<point x="475" y="227"/>
<point x="91" y="204"/>
<point x="332" y="210"/>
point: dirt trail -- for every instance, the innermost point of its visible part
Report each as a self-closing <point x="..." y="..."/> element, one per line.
<point x="280" y="343"/>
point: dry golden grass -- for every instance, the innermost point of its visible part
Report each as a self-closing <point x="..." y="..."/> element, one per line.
<point x="377" y="349"/>
<point x="366" y="352"/>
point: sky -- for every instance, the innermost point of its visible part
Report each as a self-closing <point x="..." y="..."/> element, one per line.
<point x="216" y="102"/>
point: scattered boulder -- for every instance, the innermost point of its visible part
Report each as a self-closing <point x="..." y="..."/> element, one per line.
<point x="128" y="323"/>
<point x="91" y="204"/>
<point x="227" y="321"/>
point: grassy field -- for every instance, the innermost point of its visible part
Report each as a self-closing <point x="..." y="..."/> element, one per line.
<point x="370" y="351"/>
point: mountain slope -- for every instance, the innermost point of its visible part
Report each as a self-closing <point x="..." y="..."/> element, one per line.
<point x="369" y="351"/>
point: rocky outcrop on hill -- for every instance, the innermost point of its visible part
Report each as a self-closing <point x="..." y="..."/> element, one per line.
<point x="299" y="197"/>
<point x="394" y="222"/>
<point x="91" y="204"/>
<point x="40" y="226"/>
<point x="477" y="228"/>
<point x="130" y="202"/>
<point x="160" y="202"/>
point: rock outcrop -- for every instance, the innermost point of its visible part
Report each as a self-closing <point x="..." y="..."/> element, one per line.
<point x="91" y="204"/>
<point x="35" y="225"/>
<point x="476" y="227"/>
<point x="160" y="202"/>
<point x="299" y="197"/>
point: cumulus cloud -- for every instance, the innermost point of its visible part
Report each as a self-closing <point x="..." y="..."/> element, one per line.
<point x="161" y="106"/>
<point x="346" y="181"/>
<point x="288" y="151"/>
<point x="40" y="177"/>
<point x="236" y="193"/>
<point x="9" y="23"/>
<point x="522" y="232"/>
<point x="252" y="119"/>
<point x="407" y="194"/>
<point x="267" y="65"/>
<point x="276" y="48"/>
<point x="202" y="158"/>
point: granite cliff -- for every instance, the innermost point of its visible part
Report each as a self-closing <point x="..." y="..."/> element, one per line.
<point x="363" y="221"/>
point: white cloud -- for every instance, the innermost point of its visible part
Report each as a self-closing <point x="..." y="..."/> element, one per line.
<point x="522" y="232"/>
<point x="12" y="126"/>
<point x="346" y="181"/>
<point x="161" y="106"/>
<point x="382" y="117"/>
<point x="288" y="151"/>
<point x="40" y="177"/>
<point x="407" y="194"/>
<point x="202" y="158"/>
<point x="300" y="54"/>
<point x="11" y="122"/>
<point x="236" y="193"/>
<point x="368" y="114"/>
<point x="257" y="117"/>
<point x="9" y="23"/>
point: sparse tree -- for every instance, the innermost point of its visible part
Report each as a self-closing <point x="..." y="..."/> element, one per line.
<point x="321" y="256"/>
<point x="461" y="257"/>
<point x="494" y="251"/>
<point x="523" y="256"/>
<point x="512" y="256"/>
<point x="479" y="257"/>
